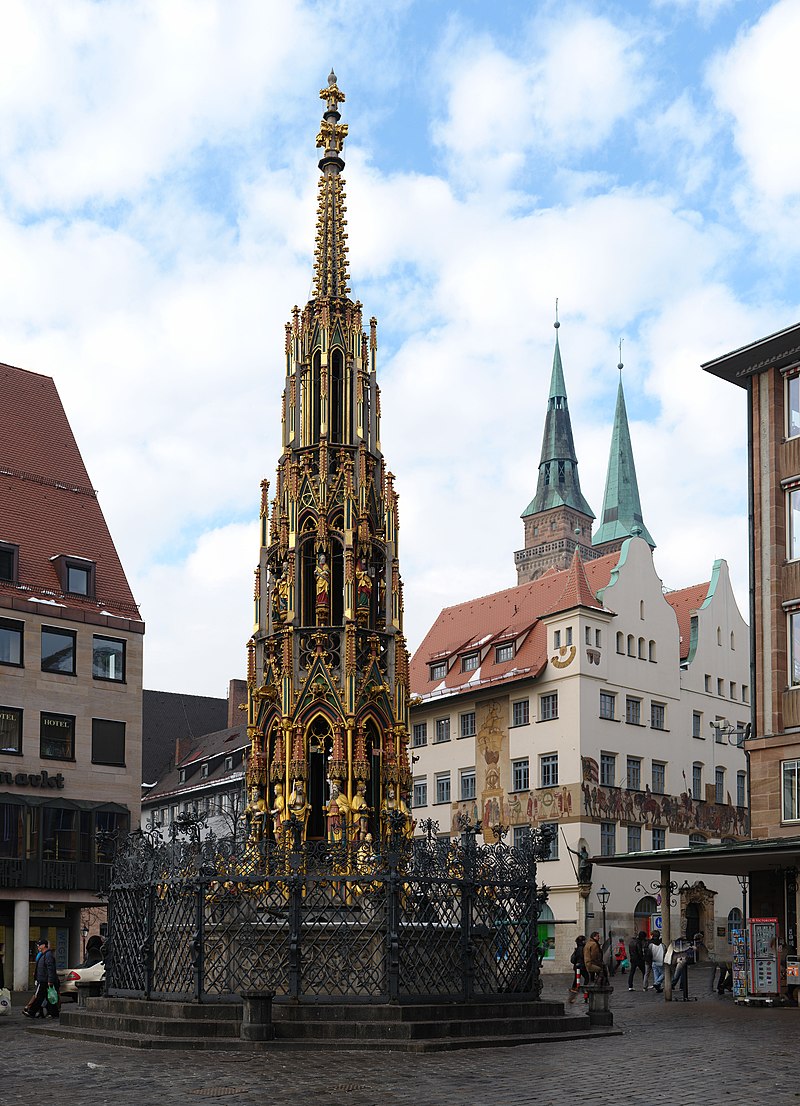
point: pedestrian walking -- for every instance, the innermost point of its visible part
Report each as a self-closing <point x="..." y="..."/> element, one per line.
<point x="637" y="948"/>
<point x="45" y="1001"/>
<point x="593" y="958"/>
<point x="655" y="963"/>
<point x="580" y="976"/>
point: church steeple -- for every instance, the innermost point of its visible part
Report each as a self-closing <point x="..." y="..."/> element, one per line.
<point x="621" y="517"/>
<point x="558" y="519"/>
<point x="328" y="667"/>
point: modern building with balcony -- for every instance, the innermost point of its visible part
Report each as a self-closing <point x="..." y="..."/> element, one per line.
<point x="70" y="681"/>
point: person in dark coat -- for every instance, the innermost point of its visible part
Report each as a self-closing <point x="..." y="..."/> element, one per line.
<point x="580" y="975"/>
<point x="637" y="954"/>
<point x="44" y="976"/>
<point x="93" y="951"/>
<point x="593" y="959"/>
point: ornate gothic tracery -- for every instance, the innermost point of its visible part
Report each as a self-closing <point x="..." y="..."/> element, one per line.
<point x="327" y="664"/>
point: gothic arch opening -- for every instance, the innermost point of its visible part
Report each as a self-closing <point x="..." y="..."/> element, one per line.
<point x="319" y="742"/>
<point x="338" y="405"/>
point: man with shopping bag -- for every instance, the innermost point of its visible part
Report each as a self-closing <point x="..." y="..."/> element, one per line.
<point x="45" y="1001"/>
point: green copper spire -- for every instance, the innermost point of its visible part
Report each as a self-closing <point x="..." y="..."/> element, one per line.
<point x="558" y="484"/>
<point x="622" y="512"/>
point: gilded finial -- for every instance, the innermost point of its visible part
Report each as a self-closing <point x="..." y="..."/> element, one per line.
<point x="330" y="255"/>
<point x="556" y="324"/>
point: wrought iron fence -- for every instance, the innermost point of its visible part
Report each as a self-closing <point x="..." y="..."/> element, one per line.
<point x="430" y="918"/>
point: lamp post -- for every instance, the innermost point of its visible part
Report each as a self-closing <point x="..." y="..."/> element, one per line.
<point x="84" y="935"/>
<point x="604" y="895"/>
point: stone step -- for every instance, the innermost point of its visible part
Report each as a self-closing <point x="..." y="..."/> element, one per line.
<point x="359" y="1030"/>
<point x="155" y="1025"/>
<point x="189" y="1011"/>
<point x="467" y="1011"/>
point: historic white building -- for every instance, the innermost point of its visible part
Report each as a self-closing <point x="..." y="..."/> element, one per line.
<point x="594" y="701"/>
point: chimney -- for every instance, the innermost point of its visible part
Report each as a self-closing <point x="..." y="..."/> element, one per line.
<point x="237" y="697"/>
<point x="183" y="746"/>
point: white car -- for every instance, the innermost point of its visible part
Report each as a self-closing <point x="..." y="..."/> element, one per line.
<point x="68" y="978"/>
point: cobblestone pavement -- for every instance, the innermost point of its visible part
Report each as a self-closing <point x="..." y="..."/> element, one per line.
<point x="706" y="1052"/>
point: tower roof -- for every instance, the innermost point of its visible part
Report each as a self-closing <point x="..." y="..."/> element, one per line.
<point x="330" y="256"/>
<point x="558" y="484"/>
<point x="577" y="590"/>
<point x="621" y="516"/>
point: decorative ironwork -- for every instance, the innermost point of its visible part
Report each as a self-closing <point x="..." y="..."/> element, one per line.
<point x="203" y="919"/>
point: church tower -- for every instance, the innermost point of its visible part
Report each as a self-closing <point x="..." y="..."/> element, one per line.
<point x="621" y="517"/>
<point x="328" y="665"/>
<point x="558" y="520"/>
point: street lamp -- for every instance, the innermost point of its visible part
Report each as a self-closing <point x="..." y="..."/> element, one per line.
<point x="604" y="895"/>
<point x="84" y="935"/>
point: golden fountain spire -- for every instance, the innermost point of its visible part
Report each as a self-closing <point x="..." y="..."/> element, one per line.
<point x="330" y="256"/>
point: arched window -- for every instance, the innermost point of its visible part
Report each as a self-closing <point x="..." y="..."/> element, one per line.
<point x="733" y="640"/>
<point x="315" y="409"/>
<point x="642" y="911"/>
<point x="631" y="645"/>
<point x="546" y="932"/>
<point x="697" y="839"/>
<point x="719" y="636"/>
<point x="734" y="923"/>
<point x="641" y="609"/>
<point x="620" y="642"/>
<point x="319" y="744"/>
<point x="338" y="415"/>
<point x="651" y="651"/>
<point x="641" y="649"/>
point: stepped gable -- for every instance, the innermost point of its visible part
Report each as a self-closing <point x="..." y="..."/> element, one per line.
<point x="687" y="602"/>
<point x="511" y="615"/>
<point x="46" y="490"/>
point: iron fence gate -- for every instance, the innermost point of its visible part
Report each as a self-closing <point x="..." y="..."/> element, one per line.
<point x="432" y="918"/>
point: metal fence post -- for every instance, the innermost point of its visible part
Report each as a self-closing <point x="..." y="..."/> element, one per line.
<point x="198" y="940"/>
<point x="149" y="939"/>
<point x="295" y="883"/>
<point x="393" y="926"/>
<point x="466" y="903"/>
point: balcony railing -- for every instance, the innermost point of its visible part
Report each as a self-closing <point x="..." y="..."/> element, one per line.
<point x="54" y="875"/>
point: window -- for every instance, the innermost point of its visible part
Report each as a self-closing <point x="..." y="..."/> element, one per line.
<point x="58" y="651"/>
<point x="697" y="839"/>
<point x="588" y="635"/>
<point x="641" y="648"/>
<point x="792" y="406"/>
<point x="520" y="775"/>
<point x="10" y="731"/>
<point x="11" y="636"/>
<point x="651" y="651"/>
<point x="620" y="642"/>
<point x="659" y="837"/>
<point x="720" y="687"/>
<point x="633" y="776"/>
<point x="659" y="777"/>
<point x="228" y="766"/>
<point x="734" y="923"/>
<point x="598" y="638"/>
<point x="204" y="770"/>
<point x="470" y="662"/>
<point x="442" y="787"/>
<point x="439" y="670"/>
<point x="556" y="639"/>
<point x="608" y="838"/>
<point x="633" y="711"/>
<point x="697" y="724"/>
<point x="733" y="690"/>
<point x="466" y="724"/>
<point x="641" y="609"/>
<point x="741" y="788"/>
<point x="794" y="648"/>
<point x="608" y="769"/>
<point x="520" y="713"/>
<point x="549" y="769"/>
<point x="607" y="704"/>
<point x="108" y="742"/>
<point x="793" y="521"/>
<point x="548" y="706"/>
<point x="719" y="785"/>
<point x="634" y="839"/>
<point x="419" y="734"/>
<point x="420" y="794"/>
<point x="708" y="683"/>
<point x="745" y="693"/>
<point x="657" y="716"/>
<point x="56" y="736"/>
<point x="697" y="781"/>
<point x="521" y="835"/>
<point x="631" y="645"/>
<point x="467" y="784"/>
<point x="719" y="734"/>
<point x="108" y="659"/>
<point x="568" y="635"/>
<point x="442" y="730"/>
<point x="181" y="775"/>
<point x="79" y="579"/>
<point x="504" y="653"/>
<point x="791" y="797"/>
<point x="9" y="562"/>
<point x="550" y="835"/>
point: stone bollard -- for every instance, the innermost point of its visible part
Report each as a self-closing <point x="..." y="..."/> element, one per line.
<point x="599" y="1013"/>
<point x="257" y="1016"/>
<point x="91" y="989"/>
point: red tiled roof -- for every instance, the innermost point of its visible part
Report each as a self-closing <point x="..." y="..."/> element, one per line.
<point x="577" y="592"/>
<point x="513" y="614"/>
<point x="686" y="602"/>
<point x="47" y="504"/>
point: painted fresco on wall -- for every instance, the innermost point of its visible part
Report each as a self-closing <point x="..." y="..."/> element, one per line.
<point x="492" y="765"/>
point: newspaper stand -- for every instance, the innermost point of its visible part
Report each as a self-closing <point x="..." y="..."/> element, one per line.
<point x="763" y="964"/>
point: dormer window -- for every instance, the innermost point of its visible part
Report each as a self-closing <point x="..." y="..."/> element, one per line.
<point x="470" y="662"/>
<point x="76" y="575"/>
<point x="182" y="775"/>
<point x="204" y="770"/>
<point x="439" y="670"/>
<point x="504" y="653"/>
<point x="228" y="764"/>
<point x="9" y="562"/>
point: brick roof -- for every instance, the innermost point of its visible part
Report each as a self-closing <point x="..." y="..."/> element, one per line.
<point x="577" y="592"/>
<point x="686" y="602"/>
<point x="511" y="615"/>
<point x="47" y="504"/>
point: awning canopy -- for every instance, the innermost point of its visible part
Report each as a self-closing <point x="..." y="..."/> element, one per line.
<point x="734" y="860"/>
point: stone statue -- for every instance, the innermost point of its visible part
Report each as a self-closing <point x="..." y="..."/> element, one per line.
<point x="584" y="864"/>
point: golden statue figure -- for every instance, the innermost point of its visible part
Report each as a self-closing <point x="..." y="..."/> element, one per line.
<point x="299" y="805"/>
<point x="280" y="597"/>
<point x="360" y="812"/>
<point x="322" y="576"/>
<point x="256" y="813"/>
<point x="363" y="592"/>
<point x="278" y="812"/>
<point x="394" y="802"/>
<point x="336" y="816"/>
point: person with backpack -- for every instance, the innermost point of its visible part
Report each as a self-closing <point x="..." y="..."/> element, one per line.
<point x="45" y="977"/>
<point x="580" y="976"/>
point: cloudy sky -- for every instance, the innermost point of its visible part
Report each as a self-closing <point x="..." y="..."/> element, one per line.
<point x="639" y="161"/>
